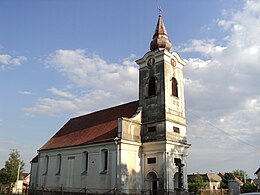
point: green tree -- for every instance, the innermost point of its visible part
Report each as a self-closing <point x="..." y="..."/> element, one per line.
<point x="248" y="187"/>
<point x="240" y="174"/>
<point x="9" y="174"/>
<point x="196" y="184"/>
<point x="225" y="179"/>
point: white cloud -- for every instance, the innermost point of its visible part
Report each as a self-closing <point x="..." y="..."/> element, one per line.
<point x="7" y="61"/>
<point x="51" y="106"/>
<point x="197" y="63"/>
<point x="222" y="90"/>
<point x="230" y="71"/>
<point x="61" y="93"/>
<point x="194" y="87"/>
<point x="222" y="120"/>
<point x="79" y="104"/>
<point x="25" y="92"/>
<point x="207" y="47"/>
<point x="101" y="83"/>
<point x="253" y="105"/>
<point x="92" y="71"/>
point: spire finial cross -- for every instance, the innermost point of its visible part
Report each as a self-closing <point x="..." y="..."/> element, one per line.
<point x="160" y="10"/>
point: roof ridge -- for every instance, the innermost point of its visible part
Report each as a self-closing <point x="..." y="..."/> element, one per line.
<point x="104" y="109"/>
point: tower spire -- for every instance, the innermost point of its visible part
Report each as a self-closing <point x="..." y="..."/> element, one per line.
<point x="160" y="39"/>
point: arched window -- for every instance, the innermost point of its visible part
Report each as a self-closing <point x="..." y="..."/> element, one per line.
<point x="58" y="164"/>
<point x="104" y="161"/>
<point x="85" y="162"/>
<point x="174" y="87"/>
<point x="151" y="87"/>
<point x="46" y="164"/>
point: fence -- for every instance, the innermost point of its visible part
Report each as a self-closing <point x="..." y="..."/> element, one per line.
<point x="93" y="191"/>
<point x="215" y="192"/>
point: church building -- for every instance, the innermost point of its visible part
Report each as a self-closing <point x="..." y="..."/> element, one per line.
<point x="138" y="147"/>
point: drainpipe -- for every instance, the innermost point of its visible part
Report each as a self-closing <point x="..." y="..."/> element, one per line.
<point x="143" y="170"/>
<point x="17" y="178"/>
<point x="117" y="162"/>
<point x="37" y="172"/>
<point x="168" y="174"/>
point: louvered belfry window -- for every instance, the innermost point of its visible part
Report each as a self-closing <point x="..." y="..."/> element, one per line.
<point x="152" y="86"/>
<point x="174" y="87"/>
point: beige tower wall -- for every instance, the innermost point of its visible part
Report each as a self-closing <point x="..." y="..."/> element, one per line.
<point x="168" y="143"/>
<point x="130" y="154"/>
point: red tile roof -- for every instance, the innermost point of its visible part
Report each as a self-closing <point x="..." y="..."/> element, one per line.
<point x="95" y="127"/>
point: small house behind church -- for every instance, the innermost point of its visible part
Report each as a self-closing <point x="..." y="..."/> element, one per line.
<point x="257" y="180"/>
<point x="136" y="147"/>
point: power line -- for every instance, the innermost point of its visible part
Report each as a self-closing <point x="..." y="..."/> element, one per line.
<point x="223" y="131"/>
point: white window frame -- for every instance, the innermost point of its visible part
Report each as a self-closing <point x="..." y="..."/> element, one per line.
<point x="85" y="162"/>
<point x="104" y="161"/>
<point x="58" y="164"/>
<point x="46" y="164"/>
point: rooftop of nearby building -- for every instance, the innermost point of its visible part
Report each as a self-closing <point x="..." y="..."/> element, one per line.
<point x="207" y="177"/>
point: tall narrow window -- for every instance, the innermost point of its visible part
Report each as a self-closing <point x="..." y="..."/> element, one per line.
<point x="46" y="164"/>
<point x="104" y="160"/>
<point x="151" y="86"/>
<point x="174" y="87"/>
<point x="85" y="162"/>
<point x="58" y="164"/>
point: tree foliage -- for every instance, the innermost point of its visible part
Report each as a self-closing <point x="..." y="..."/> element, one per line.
<point x="196" y="184"/>
<point x="243" y="176"/>
<point x="240" y="174"/>
<point x="227" y="177"/>
<point x="248" y="187"/>
<point x="9" y="173"/>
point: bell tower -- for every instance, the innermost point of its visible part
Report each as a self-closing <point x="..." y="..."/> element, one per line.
<point x="161" y="89"/>
<point x="161" y="99"/>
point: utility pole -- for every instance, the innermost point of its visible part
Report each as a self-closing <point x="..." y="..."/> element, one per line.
<point x="17" y="178"/>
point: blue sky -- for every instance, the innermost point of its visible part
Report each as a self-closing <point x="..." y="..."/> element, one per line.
<point x="60" y="59"/>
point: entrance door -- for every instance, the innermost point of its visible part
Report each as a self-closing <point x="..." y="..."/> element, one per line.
<point x="153" y="179"/>
<point x="154" y="187"/>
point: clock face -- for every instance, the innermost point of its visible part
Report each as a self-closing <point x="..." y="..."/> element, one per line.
<point x="151" y="61"/>
<point x="173" y="63"/>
